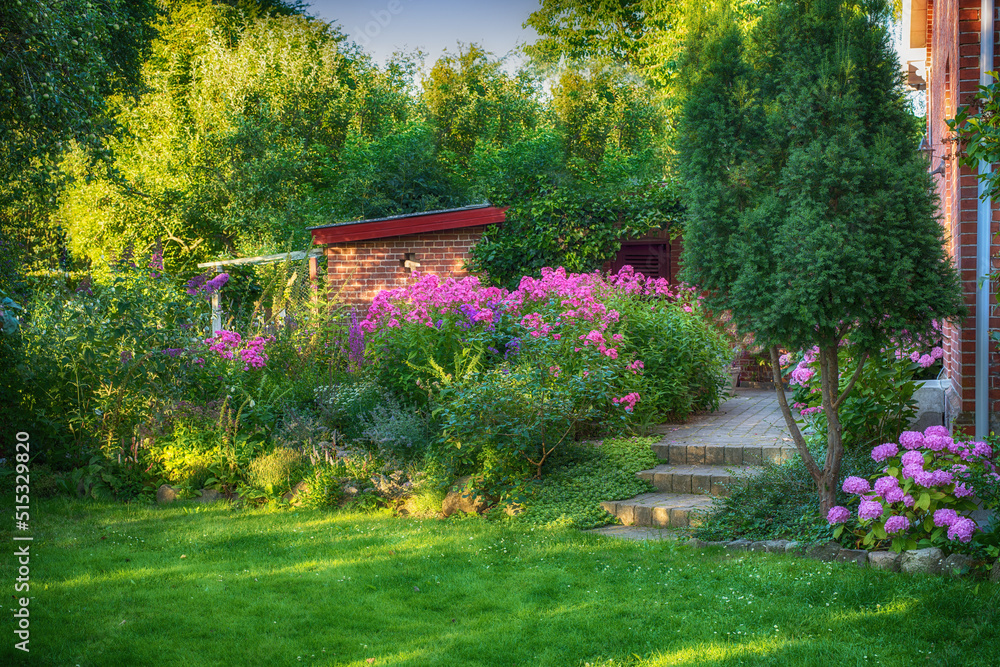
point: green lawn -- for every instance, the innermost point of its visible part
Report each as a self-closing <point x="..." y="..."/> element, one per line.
<point x="209" y="585"/>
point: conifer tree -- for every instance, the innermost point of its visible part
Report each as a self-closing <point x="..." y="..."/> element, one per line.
<point x="810" y="212"/>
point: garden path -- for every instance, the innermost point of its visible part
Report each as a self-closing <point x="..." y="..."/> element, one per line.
<point x="699" y="458"/>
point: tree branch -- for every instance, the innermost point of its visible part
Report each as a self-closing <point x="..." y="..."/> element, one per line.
<point x="850" y="385"/>
<point x="800" y="442"/>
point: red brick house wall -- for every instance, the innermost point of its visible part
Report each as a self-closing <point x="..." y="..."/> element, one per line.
<point x="359" y="270"/>
<point x="953" y="71"/>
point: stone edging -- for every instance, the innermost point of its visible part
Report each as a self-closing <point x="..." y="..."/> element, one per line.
<point x="929" y="561"/>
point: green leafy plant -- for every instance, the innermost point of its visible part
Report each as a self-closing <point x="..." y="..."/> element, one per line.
<point x="277" y="471"/>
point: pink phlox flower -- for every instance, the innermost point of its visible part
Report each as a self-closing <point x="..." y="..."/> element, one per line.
<point x="926" y="361"/>
<point x="937" y="352"/>
<point x="628" y="400"/>
<point x="915" y="357"/>
<point x="908" y="500"/>
<point x="936" y="430"/>
<point x="636" y="367"/>
<point x="945" y="517"/>
<point x="784" y="359"/>
<point x="806" y="412"/>
<point x="911" y="459"/>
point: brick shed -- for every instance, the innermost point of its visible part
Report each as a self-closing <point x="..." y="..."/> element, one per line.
<point x="947" y="47"/>
<point x="367" y="256"/>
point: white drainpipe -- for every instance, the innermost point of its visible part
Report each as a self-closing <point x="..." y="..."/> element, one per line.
<point x="983" y="223"/>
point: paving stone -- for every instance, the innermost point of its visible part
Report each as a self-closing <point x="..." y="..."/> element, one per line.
<point x="715" y="455"/>
<point x="678" y="454"/>
<point x="696" y="454"/>
<point x="701" y="483"/>
<point x="681" y="483"/>
<point x="751" y="456"/>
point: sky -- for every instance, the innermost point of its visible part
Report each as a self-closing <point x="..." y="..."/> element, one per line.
<point x="381" y="27"/>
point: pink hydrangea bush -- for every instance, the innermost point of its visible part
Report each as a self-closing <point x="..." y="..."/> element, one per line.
<point x="923" y="495"/>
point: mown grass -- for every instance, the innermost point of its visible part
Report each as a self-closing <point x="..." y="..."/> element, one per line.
<point x="210" y="585"/>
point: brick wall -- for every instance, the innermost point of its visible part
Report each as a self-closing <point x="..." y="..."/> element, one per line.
<point x="359" y="270"/>
<point x="953" y="72"/>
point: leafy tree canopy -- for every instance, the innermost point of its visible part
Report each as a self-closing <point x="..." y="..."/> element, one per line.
<point x="810" y="214"/>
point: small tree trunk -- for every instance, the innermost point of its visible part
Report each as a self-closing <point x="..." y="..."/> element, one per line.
<point x="829" y="385"/>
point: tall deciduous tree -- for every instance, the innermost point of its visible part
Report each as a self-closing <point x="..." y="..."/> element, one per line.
<point x="810" y="213"/>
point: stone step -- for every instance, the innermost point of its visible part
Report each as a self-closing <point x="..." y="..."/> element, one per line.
<point x="695" y="479"/>
<point x="719" y="454"/>
<point x="661" y="510"/>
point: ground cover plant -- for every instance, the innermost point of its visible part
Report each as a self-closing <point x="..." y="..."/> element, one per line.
<point x="131" y="584"/>
<point x="581" y="476"/>
<point x="778" y="503"/>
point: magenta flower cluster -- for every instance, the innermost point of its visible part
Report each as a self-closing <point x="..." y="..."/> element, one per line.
<point x="230" y="345"/>
<point x="569" y="310"/>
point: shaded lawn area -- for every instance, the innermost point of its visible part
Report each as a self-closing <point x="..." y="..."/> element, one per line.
<point x="210" y="585"/>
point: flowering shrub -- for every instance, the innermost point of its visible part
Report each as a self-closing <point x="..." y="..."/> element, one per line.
<point x="881" y="402"/>
<point x="650" y="334"/>
<point x="919" y="498"/>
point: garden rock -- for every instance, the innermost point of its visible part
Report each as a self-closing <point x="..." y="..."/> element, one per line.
<point x="166" y="494"/>
<point x="922" y="560"/>
<point x="859" y="556"/>
<point x="738" y="545"/>
<point x="460" y="500"/>
<point x="775" y="546"/>
<point x="995" y="572"/>
<point x="793" y="547"/>
<point x="208" y="496"/>
<point x="956" y="565"/>
<point x="824" y="552"/>
<point x="292" y="497"/>
<point x="758" y="546"/>
<point x="695" y="543"/>
<point x="884" y="560"/>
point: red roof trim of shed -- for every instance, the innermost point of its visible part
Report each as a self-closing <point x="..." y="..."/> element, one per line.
<point x="432" y="221"/>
